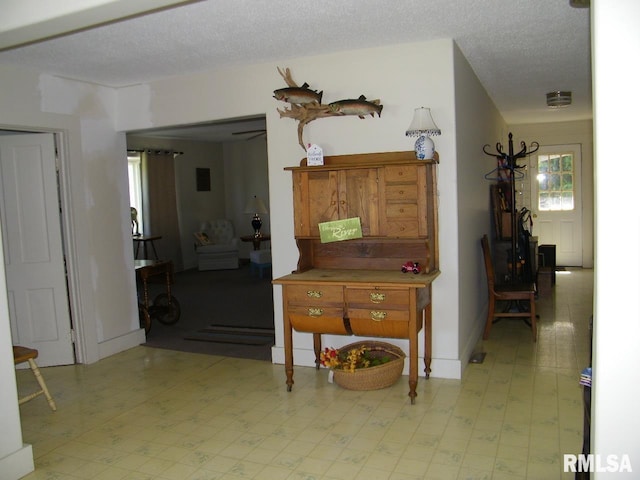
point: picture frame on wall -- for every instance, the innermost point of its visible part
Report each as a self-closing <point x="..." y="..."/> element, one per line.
<point x="203" y="179"/>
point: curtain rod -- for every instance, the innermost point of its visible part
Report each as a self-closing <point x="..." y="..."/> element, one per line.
<point x="154" y="150"/>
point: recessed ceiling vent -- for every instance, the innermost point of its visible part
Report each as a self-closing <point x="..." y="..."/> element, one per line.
<point x="558" y="99"/>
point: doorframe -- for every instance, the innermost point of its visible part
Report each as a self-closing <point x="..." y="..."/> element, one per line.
<point x="578" y="149"/>
<point x="69" y="240"/>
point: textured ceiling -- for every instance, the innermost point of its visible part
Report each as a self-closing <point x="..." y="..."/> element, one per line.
<point x="519" y="49"/>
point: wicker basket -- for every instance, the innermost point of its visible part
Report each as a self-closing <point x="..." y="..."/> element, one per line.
<point x="372" y="378"/>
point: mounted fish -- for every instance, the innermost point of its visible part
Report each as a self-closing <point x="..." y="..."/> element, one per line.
<point x="298" y="95"/>
<point x="306" y="104"/>
<point x="360" y="107"/>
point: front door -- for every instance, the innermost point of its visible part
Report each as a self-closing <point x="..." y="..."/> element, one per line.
<point x="33" y="247"/>
<point x="556" y="201"/>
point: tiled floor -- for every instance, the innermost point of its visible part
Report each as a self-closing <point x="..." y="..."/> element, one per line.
<point x="157" y="414"/>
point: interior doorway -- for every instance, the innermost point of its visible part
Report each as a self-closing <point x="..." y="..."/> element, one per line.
<point x="238" y="169"/>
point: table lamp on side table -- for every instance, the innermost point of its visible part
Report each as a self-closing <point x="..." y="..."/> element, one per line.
<point x="256" y="207"/>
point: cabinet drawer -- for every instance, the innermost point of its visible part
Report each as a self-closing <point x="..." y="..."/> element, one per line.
<point x="378" y="312"/>
<point x="403" y="228"/>
<point x="402" y="210"/>
<point x="379" y="323"/>
<point x="404" y="193"/>
<point x="314" y="319"/>
<point x="378" y="298"/>
<point x="401" y="173"/>
<point x="378" y="315"/>
<point x="315" y="295"/>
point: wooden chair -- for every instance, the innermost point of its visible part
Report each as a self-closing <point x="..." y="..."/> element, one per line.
<point x="22" y="355"/>
<point x="514" y="293"/>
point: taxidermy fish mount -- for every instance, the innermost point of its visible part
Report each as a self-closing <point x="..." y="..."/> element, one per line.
<point x="306" y="104"/>
<point x="298" y="95"/>
<point x="359" y="107"/>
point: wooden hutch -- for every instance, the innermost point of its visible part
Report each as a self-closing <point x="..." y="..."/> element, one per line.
<point x="356" y="287"/>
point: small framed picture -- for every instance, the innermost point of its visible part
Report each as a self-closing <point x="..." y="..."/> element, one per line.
<point x="203" y="179"/>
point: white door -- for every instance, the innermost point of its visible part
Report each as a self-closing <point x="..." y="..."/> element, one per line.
<point x="556" y="201"/>
<point x="33" y="249"/>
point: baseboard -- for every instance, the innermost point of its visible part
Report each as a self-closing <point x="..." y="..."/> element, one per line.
<point x="122" y="343"/>
<point x="440" y="367"/>
<point x="473" y="339"/>
<point x="17" y="464"/>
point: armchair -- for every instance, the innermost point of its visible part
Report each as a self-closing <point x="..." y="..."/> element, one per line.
<point x="216" y="246"/>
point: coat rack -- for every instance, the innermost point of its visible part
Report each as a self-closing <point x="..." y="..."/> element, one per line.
<point x="508" y="161"/>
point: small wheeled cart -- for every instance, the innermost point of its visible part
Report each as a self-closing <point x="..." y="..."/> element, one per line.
<point x="165" y="307"/>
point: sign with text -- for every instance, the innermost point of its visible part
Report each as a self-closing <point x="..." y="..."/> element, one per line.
<point x="340" y="230"/>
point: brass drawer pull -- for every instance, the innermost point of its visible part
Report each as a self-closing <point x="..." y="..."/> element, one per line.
<point x="315" y="312"/>
<point x="314" y="293"/>
<point x="377" y="297"/>
<point x="378" y="316"/>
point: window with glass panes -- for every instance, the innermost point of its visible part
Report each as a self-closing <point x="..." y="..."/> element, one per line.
<point x="135" y="185"/>
<point x="556" y="182"/>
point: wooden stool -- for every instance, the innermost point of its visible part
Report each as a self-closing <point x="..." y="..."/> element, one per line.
<point x="22" y="355"/>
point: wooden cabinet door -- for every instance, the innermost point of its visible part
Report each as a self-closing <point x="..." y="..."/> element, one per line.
<point x="328" y="195"/>
<point x="393" y="201"/>
<point x="315" y="200"/>
<point x="358" y="197"/>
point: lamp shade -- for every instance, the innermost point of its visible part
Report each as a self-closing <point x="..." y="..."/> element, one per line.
<point x="422" y="124"/>
<point x="255" y="205"/>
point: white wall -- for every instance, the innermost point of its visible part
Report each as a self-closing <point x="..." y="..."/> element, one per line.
<point x="478" y="122"/>
<point x="21" y="109"/>
<point x="246" y="173"/>
<point x="616" y="390"/>
<point x="16" y="459"/>
<point x="105" y="208"/>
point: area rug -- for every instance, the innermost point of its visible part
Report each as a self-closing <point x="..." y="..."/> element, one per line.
<point x="231" y="334"/>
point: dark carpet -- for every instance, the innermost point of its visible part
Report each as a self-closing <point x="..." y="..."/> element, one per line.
<point x="223" y="312"/>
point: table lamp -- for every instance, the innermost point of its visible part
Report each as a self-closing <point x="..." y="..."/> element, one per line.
<point x="256" y="207"/>
<point x="423" y="127"/>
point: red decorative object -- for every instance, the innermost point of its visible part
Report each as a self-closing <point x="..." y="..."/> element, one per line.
<point x="411" y="267"/>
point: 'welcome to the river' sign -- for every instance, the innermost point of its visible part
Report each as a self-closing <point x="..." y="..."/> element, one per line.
<point x="340" y="230"/>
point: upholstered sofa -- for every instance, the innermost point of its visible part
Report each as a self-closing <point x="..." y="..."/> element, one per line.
<point x="217" y="246"/>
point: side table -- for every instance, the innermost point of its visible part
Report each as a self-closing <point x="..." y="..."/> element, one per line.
<point x="145" y="239"/>
<point x="256" y="240"/>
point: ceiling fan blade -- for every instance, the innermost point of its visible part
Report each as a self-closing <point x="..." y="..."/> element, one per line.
<point x="260" y="131"/>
